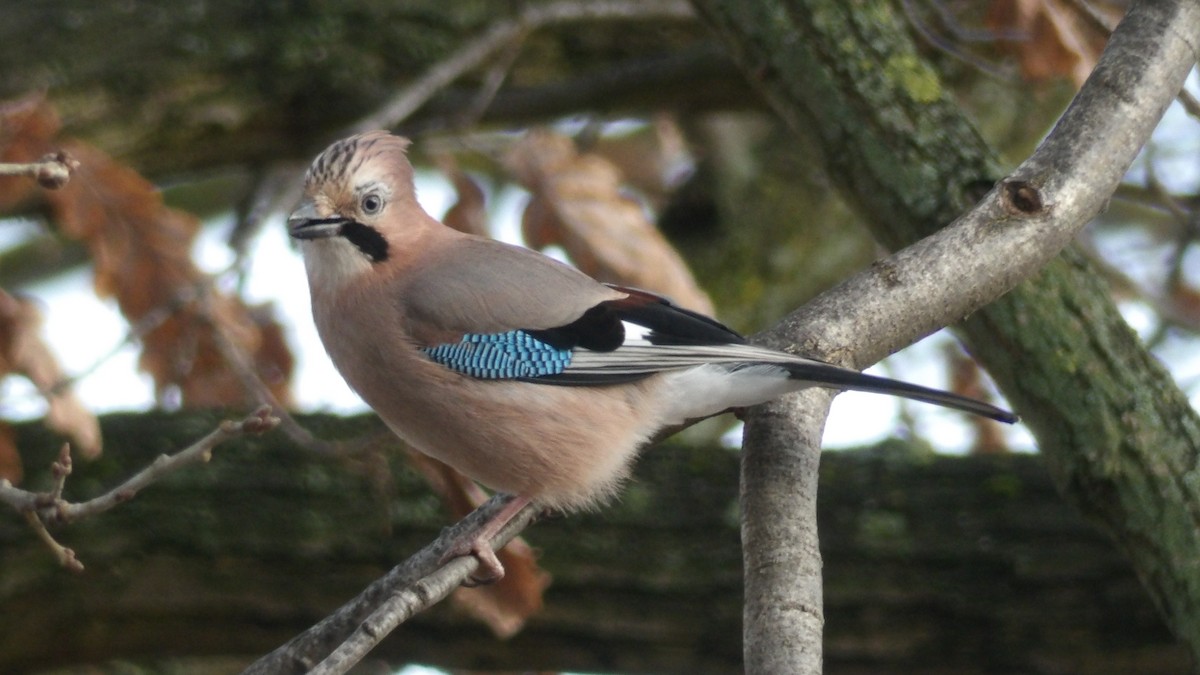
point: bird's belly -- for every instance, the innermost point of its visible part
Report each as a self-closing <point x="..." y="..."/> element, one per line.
<point x="565" y="447"/>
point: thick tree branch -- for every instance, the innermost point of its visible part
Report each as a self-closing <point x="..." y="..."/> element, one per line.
<point x="692" y="79"/>
<point x="783" y="582"/>
<point x="476" y="52"/>
<point x="792" y="51"/>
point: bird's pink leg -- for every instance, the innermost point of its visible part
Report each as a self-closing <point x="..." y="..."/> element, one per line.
<point x="479" y="543"/>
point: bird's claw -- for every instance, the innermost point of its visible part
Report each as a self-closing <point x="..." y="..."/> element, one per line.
<point x="490" y="570"/>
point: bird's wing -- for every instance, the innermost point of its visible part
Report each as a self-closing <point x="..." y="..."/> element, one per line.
<point x="638" y="334"/>
<point x="494" y="311"/>
<point x="470" y="285"/>
<point x="655" y="335"/>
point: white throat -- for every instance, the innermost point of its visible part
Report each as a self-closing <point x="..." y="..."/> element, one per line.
<point x="332" y="262"/>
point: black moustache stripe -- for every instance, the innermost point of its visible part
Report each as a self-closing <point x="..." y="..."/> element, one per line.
<point x="366" y="239"/>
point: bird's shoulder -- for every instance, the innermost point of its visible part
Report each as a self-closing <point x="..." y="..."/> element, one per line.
<point x="477" y="285"/>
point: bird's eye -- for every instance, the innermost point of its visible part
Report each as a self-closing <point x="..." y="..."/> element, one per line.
<point x="372" y="204"/>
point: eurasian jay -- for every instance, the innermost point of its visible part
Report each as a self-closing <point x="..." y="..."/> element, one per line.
<point x="517" y="370"/>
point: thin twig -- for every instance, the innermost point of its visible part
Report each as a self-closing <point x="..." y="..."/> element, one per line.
<point x="419" y="582"/>
<point x="148" y="322"/>
<point x="200" y="294"/>
<point x="60" y="469"/>
<point x="477" y="51"/>
<point x="937" y="41"/>
<point x="243" y="368"/>
<point x="51" y="171"/>
<point x="275" y="188"/>
<point x="688" y="75"/>
<point x="1188" y="221"/>
<point x="42" y="508"/>
<point x="1094" y="17"/>
<point x="492" y="82"/>
<point x="65" y="556"/>
<point x="258" y="422"/>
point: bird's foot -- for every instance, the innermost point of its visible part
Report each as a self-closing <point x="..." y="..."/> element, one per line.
<point x="490" y="570"/>
<point x="479" y="544"/>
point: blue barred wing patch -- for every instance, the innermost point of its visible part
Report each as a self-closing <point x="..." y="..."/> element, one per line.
<point x="501" y="356"/>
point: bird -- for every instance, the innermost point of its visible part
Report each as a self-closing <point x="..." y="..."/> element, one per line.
<point x="518" y="370"/>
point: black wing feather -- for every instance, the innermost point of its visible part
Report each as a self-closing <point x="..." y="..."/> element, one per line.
<point x="669" y="323"/>
<point x="602" y="329"/>
<point x="599" y="329"/>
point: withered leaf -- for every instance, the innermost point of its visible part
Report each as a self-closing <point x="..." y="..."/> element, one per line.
<point x="468" y="213"/>
<point x="22" y="351"/>
<point x="1061" y="42"/>
<point x="140" y="249"/>
<point x="11" y="467"/>
<point x="577" y="204"/>
<point x="28" y="127"/>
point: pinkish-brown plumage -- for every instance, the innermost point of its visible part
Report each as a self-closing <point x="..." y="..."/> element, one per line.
<point x="549" y="395"/>
<point x="552" y="444"/>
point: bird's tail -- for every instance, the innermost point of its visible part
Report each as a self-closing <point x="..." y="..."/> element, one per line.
<point x="828" y="375"/>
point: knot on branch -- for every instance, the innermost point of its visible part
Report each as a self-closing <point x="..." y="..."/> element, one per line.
<point x="1022" y="197"/>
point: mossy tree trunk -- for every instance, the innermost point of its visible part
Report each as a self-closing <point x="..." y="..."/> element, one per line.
<point x="1120" y="438"/>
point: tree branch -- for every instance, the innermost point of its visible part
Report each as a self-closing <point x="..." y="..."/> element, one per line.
<point x="1016" y="229"/>
<point x="340" y="640"/>
<point x="478" y="50"/>
<point x="51" y="172"/>
<point x="42" y="508"/>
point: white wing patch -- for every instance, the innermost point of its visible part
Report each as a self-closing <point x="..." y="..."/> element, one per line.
<point x="637" y="355"/>
<point x="635" y="333"/>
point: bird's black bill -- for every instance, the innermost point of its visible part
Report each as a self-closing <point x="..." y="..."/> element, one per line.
<point x="315" y="228"/>
<point x="306" y="223"/>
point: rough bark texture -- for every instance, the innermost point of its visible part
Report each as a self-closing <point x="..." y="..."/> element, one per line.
<point x="782" y="552"/>
<point x="1120" y="437"/>
<point x="934" y="564"/>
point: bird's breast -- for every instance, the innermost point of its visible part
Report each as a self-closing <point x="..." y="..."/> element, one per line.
<point x="566" y="447"/>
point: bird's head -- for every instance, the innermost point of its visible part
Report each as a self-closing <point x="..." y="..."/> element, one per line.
<point x="356" y="195"/>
